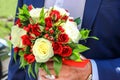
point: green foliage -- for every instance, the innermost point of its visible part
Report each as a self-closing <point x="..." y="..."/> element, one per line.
<point x="81" y="48"/>
<point x="93" y="37"/>
<point x="24" y="15"/>
<point x="77" y="49"/>
<point x="57" y="64"/>
<point x="85" y="33"/>
<point x="30" y="70"/>
<point x="28" y="49"/>
<point x="14" y="56"/>
<point x="42" y="17"/>
<point x="37" y="65"/>
<point x="5" y="28"/>
<point x="7" y="8"/>
<point x="75" y="56"/>
<point x="23" y="63"/>
<point x="44" y="66"/>
<point x="77" y="20"/>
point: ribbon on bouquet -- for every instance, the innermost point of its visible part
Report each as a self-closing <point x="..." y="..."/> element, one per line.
<point x="81" y="64"/>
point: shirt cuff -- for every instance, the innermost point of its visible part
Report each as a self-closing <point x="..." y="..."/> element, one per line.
<point x="94" y="70"/>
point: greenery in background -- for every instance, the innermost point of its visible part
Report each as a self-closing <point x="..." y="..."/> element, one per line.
<point x="5" y="28"/>
<point x="7" y="10"/>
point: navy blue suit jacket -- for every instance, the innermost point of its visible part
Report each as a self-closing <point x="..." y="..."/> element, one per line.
<point x="103" y="18"/>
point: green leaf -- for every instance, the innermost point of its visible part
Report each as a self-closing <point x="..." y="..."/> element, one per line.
<point x="24" y="15"/>
<point x="75" y="56"/>
<point x="93" y="37"/>
<point x="30" y="70"/>
<point x="42" y="17"/>
<point x="57" y="65"/>
<point x="77" y="20"/>
<point x="28" y="49"/>
<point x="37" y="67"/>
<point x="82" y="48"/>
<point x="84" y="33"/>
<point x="56" y="59"/>
<point x="44" y="66"/>
<point x="72" y="45"/>
<point x="24" y="10"/>
<point x="23" y="63"/>
<point x="21" y="53"/>
<point x="15" y="55"/>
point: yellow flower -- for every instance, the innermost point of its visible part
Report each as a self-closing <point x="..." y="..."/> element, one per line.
<point x="16" y="34"/>
<point x="42" y="50"/>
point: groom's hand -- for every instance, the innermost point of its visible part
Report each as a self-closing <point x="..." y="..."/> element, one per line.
<point x="69" y="72"/>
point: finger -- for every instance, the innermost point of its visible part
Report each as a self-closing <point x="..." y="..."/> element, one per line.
<point x="43" y="78"/>
<point x="50" y="65"/>
<point x="66" y="78"/>
<point x="41" y="72"/>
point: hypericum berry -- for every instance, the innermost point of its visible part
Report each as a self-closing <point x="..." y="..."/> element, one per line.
<point x="51" y="31"/>
<point x="46" y="35"/>
<point x="47" y="28"/>
<point x="50" y="38"/>
<point x="30" y="7"/>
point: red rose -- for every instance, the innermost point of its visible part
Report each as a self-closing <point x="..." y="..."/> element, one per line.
<point x="48" y="22"/>
<point x="55" y="15"/>
<point x="27" y="28"/>
<point x="51" y="31"/>
<point x="18" y="23"/>
<point x="57" y="48"/>
<point x="63" y="38"/>
<point x="61" y="29"/>
<point x="46" y="35"/>
<point x="26" y="40"/>
<point x="30" y="7"/>
<point x="30" y="58"/>
<point x="67" y="51"/>
<point x="35" y="29"/>
<point x="16" y="50"/>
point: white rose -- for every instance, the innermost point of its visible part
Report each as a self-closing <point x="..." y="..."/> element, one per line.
<point x="16" y="34"/>
<point x="42" y="50"/>
<point x="72" y="31"/>
<point x="35" y="13"/>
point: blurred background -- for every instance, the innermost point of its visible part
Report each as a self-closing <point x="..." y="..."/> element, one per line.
<point x="7" y="15"/>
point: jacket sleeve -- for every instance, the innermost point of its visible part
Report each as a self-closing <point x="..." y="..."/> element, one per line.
<point x="109" y="69"/>
<point x="14" y="72"/>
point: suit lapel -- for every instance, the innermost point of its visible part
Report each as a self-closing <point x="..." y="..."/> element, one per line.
<point x="91" y="9"/>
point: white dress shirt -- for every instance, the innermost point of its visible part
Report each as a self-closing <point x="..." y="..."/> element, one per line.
<point x="76" y="9"/>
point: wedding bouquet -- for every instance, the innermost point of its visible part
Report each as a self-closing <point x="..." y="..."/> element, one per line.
<point x="41" y="34"/>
